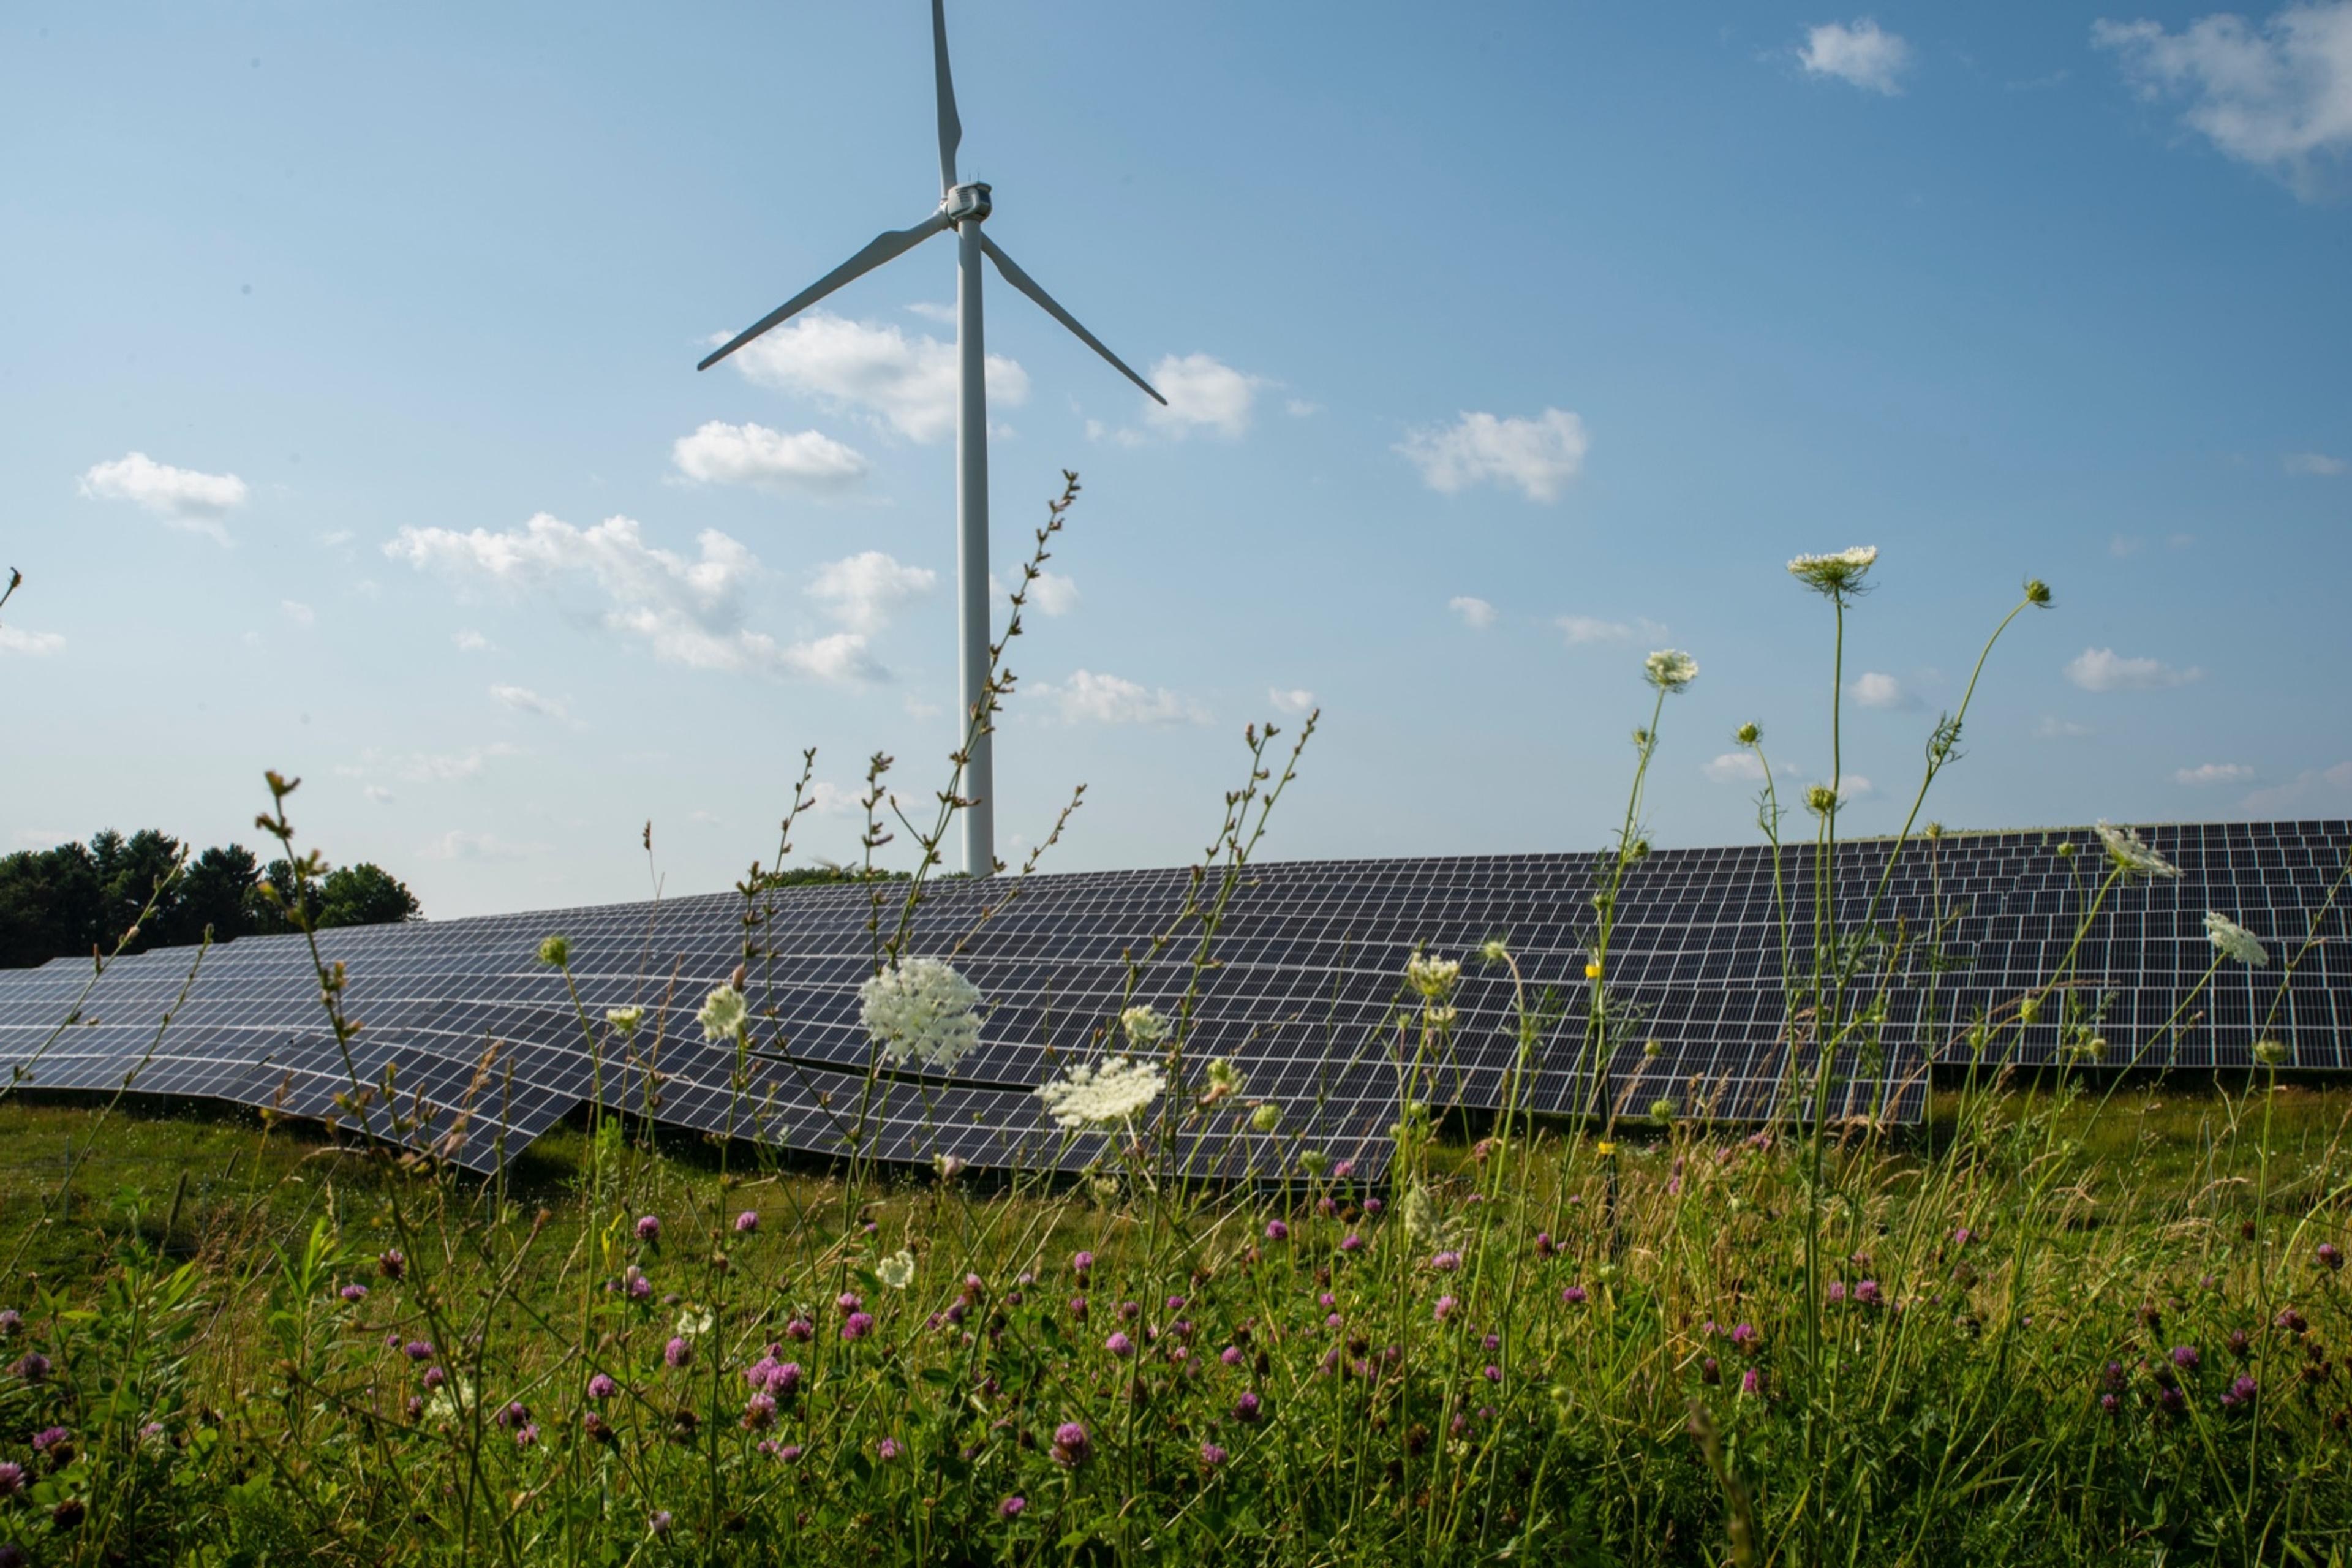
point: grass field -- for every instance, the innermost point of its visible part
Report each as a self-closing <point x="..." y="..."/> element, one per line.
<point x="2053" y="1329"/>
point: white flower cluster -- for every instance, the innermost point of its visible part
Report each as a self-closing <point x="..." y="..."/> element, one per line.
<point x="1670" y="669"/>
<point x="2131" y="854"/>
<point x="2235" y="940"/>
<point x="897" y="1270"/>
<point x="920" y="1010"/>
<point x="1100" y="1093"/>
<point x="1432" y="977"/>
<point x="723" y="1016"/>
<point x="1839" y="573"/>
<point x="1145" y="1025"/>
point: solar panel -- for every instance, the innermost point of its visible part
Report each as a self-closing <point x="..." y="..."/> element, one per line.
<point x="1708" y="980"/>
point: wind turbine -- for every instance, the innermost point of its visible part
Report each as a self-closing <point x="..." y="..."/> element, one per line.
<point x="963" y="208"/>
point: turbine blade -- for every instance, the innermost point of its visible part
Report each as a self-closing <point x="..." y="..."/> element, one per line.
<point x="884" y="247"/>
<point x="950" y="127"/>
<point x="1028" y="284"/>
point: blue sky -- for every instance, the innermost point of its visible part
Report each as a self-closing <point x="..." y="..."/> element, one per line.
<point x="1513" y="341"/>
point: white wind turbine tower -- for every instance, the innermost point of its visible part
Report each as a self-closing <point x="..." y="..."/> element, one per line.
<point x="963" y="208"/>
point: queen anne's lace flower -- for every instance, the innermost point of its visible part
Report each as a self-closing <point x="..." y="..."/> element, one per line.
<point x="2131" y="854"/>
<point x="1834" y="574"/>
<point x="1145" y="1027"/>
<point x="724" y="1013"/>
<point x="1432" y="977"/>
<point x="2234" y="939"/>
<point x="1670" y="669"/>
<point x="897" y="1271"/>
<point x="922" y="1010"/>
<point x="1099" y="1093"/>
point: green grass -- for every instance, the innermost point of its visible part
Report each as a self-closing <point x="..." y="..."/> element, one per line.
<point x="190" y="1276"/>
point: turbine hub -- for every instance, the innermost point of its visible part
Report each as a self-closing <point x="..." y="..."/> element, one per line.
<point x="966" y="203"/>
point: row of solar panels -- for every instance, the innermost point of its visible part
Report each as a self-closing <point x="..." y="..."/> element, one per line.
<point x="484" y="1047"/>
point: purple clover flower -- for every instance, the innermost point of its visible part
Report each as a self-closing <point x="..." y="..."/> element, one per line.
<point x="678" y="1353"/>
<point x="2185" y="1357"/>
<point x="888" y="1449"/>
<point x="1211" y="1456"/>
<point x="1071" y="1444"/>
<point x="649" y="1229"/>
<point x="1119" y="1345"/>
<point x="747" y="1222"/>
<point x="601" y="1387"/>
<point x="392" y="1263"/>
<point x="1011" y="1507"/>
<point x="1573" y="1296"/>
<point x="860" y="1325"/>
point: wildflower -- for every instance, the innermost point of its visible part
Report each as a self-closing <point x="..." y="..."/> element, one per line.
<point x="1493" y="1373"/>
<point x="920" y="1010"/>
<point x="12" y="1323"/>
<point x="1836" y="576"/>
<point x="1447" y="1262"/>
<point x="2130" y="855"/>
<point x="2242" y="1390"/>
<point x="1867" y="1293"/>
<point x="1710" y="1372"/>
<point x="659" y="1523"/>
<point x="860" y="1325"/>
<point x="724" y="1015"/>
<point x="1082" y="1263"/>
<point x="392" y="1264"/>
<point x="1431" y="977"/>
<point x="1670" y="670"/>
<point x="2184" y="1357"/>
<point x="1211" y="1456"/>
<point x="1747" y="734"/>
<point x="1495" y="950"/>
<point x="1752" y="1380"/>
<point x="678" y="1351"/>
<point x="747" y="1222"/>
<point x="12" y="1478"/>
<point x="1078" y="1308"/>
<point x="2290" y="1319"/>
<point x="1592" y="969"/>
<point x="1836" y="1292"/>
<point x="1573" y="1296"/>
<point x="1099" y="1093"/>
<point x="1605" y="1149"/>
<point x="555" y="951"/>
<point x="789" y="1454"/>
<point x="1314" y="1161"/>
<point x="624" y="1019"/>
<point x="897" y="1271"/>
<point x="2234" y="939"/>
<point x="1071" y="1444"/>
<point x="1662" y="1109"/>
<point x="1545" y="1246"/>
<point x="434" y="1377"/>
<point x="2329" y="1256"/>
<point x="1246" y="1407"/>
<point x="800" y="1329"/>
<point x="1351" y="1242"/>
<point x="2272" y="1053"/>
<point x="33" y="1367"/>
<point x="1225" y="1081"/>
<point x="601" y="1386"/>
<point x="888" y="1449"/>
<point x="637" y="1285"/>
<point x="1145" y="1027"/>
<point x="1119" y="1345"/>
<point x="648" y="1228"/>
<point x="1267" y="1117"/>
<point x="1011" y="1507"/>
<point x="54" y="1444"/>
<point x="353" y="1293"/>
<point x="1444" y="1308"/>
<point x="1743" y="1335"/>
<point x="1821" y="800"/>
<point x="694" y="1322"/>
<point x="848" y="1301"/>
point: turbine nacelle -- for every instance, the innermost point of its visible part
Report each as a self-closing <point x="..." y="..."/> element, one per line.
<point x="966" y="203"/>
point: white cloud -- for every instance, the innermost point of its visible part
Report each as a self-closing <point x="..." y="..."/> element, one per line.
<point x="2123" y="546"/>
<point x="826" y="798"/>
<point x="2315" y="465"/>
<point x="934" y="310"/>
<point x="2214" y="774"/>
<point x="1089" y="697"/>
<point x="864" y="590"/>
<point x="1203" y="394"/>
<point x="378" y="794"/>
<point x="839" y="658"/>
<point x="301" y="614"/>
<point x="1052" y="593"/>
<point x="2102" y="670"/>
<point x="472" y="642"/>
<point x="1734" y="767"/>
<point x="1581" y="629"/>
<point x="723" y="454"/>
<point x="2054" y="728"/>
<point x="524" y="700"/>
<point x="907" y="382"/>
<point x="686" y="611"/>
<point x="444" y="767"/>
<point x="1861" y="52"/>
<point x="1853" y="786"/>
<point x="15" y="639"/>
<point x="1476" y="613"/>
<point x="1535" y="457"/>
<point x="2278" y="97"/>
<point x="2279" y="799"/>
<point x="1877" y="689"/>
<point x="459" y="845"/>
<point x="1296" y="700"/>
<point x="1302" y="408"/>
<point x="183" y="498"/>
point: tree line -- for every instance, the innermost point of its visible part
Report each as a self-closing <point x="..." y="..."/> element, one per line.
<point x="80" y="898"/>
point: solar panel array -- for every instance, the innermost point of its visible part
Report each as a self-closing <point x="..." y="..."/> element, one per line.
<point x="473" y="1048"/>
